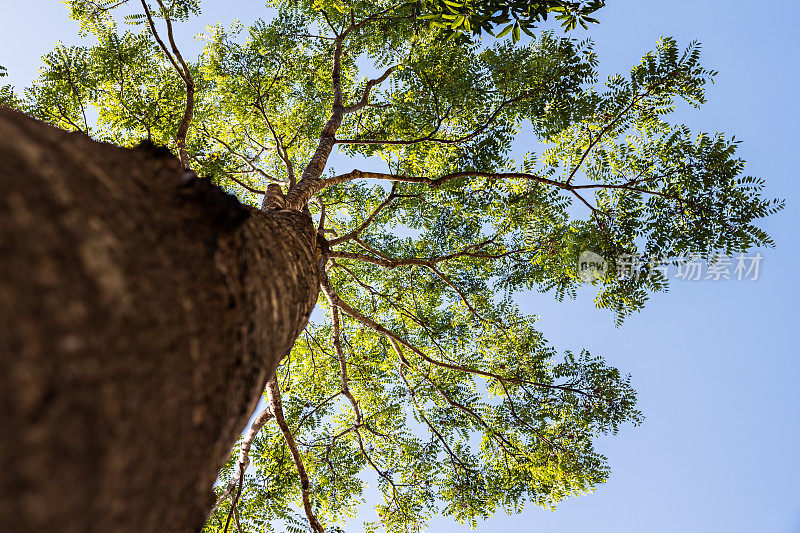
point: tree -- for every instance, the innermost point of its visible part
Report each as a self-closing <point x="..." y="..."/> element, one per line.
<point x="423" y="373"/>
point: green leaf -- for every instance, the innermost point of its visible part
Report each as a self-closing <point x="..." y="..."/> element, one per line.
<point x="505" y="31"/>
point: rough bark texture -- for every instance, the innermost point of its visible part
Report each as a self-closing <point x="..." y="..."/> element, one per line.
<point x="141" y="312"/>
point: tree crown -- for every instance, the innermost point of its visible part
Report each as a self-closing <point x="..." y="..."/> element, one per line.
<point x="424" y="373"/>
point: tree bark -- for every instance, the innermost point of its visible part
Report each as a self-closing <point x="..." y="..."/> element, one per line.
<point x="142" y="311"/>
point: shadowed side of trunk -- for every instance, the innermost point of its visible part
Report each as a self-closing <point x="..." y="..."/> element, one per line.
<point x="141" y="312"/>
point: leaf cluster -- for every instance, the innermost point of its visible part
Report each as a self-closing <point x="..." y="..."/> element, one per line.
<point x="477" y="16"/>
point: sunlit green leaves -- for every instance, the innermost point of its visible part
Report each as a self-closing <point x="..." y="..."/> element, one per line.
<point x="653" y="190"/>
<point x="467" y="409"/>
<point x="64" y="89"/>
<point x="97" y="16"/>
<point x="7" y="96"/>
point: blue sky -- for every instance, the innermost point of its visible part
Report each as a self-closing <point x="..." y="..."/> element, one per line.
<point x="716" y="364"/>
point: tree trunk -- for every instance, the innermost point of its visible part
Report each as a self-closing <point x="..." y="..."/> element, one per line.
<point x="141" y="312"/>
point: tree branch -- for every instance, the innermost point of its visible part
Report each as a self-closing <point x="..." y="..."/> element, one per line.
<point x="365" y="95"/>
<point x="392" y="262"/>
<point x="355" y="232"/>
<point x="393" y="337"/>
<point x="299" y="195"/>
<point x="185" y="74"/>
<point x="245" y="160"/>
<point x="244" y="457"/>
<point x="337" y="343"/>
<point x="274" y="398"/>
<point x="630" y="185"/>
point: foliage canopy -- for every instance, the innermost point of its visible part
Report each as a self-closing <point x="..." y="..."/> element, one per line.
<point x="423" y="375"/>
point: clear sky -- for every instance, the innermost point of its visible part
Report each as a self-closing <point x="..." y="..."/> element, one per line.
<point x="716" y="364"/>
